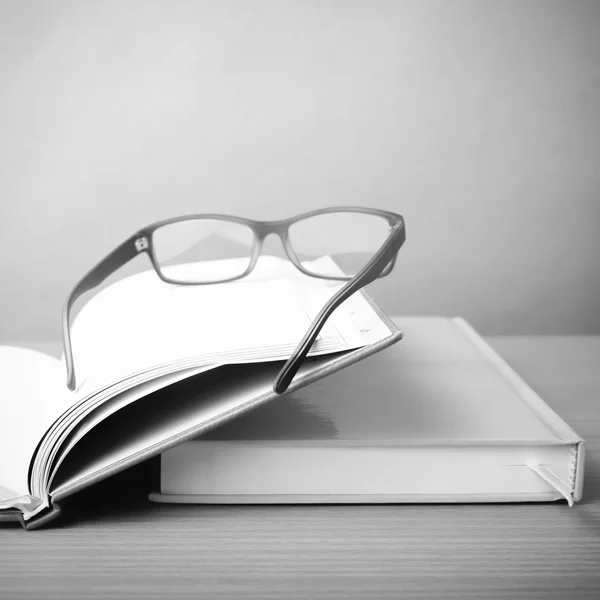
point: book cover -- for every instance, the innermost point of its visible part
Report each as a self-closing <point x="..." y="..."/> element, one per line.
<point x="438" y="418"/>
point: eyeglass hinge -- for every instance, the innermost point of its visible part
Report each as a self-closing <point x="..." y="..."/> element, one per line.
<point x="141" y="244"/>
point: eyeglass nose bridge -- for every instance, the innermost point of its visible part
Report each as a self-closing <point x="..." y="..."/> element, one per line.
<point x="262" y="230"/>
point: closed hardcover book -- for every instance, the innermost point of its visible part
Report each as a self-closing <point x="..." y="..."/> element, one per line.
<point x="438" y="418"/>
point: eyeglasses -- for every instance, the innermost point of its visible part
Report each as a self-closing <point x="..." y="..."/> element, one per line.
<point x="363" y="241"/>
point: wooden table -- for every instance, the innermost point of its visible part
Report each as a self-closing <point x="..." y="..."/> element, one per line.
<point x="125" y="547"/>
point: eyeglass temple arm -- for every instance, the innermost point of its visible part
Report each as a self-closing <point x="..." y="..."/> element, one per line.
<point x="368" y="274"/>
<point x="106" y="267"/>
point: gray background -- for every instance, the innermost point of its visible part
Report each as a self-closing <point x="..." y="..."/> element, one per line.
<point x="478" y="121"/>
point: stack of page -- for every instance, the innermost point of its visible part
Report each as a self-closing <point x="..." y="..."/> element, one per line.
<point x="158" y="364"/>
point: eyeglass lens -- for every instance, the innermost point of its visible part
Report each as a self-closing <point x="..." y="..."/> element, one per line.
<point x="350" y="239"/>
<point x="182" y="248"/>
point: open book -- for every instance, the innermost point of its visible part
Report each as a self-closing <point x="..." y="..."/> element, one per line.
<point x="159" y="364"/>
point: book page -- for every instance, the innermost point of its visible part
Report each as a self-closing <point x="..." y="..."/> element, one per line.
<point x="141" y="428"/>
<point x="33" y="395"/>
<point x="89" y="414"/>
<point x="142" y="321"/>
<point x="354" y="314"/>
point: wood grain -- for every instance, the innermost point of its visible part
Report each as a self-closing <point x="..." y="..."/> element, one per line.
<point x="129" y="548"/>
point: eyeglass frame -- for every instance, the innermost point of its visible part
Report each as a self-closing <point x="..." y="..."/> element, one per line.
<point x="380" y="265"/>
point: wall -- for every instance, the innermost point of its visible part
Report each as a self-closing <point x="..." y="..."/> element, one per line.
<point x="478" y="121"/>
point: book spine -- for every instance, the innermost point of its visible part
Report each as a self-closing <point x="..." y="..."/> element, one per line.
<point x="42" y="519"/>
<point x="577" y="470"/>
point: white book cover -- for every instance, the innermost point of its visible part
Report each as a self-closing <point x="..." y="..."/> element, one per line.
<point x="438" y="418"/>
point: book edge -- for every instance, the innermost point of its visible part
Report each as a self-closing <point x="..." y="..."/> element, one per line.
<point x="534" y="401"/>
<point x="232" y="499"/>
<point x="564" y="460"/>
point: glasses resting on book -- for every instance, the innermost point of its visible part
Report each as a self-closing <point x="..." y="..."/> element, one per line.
<point x="363" y="241"/>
